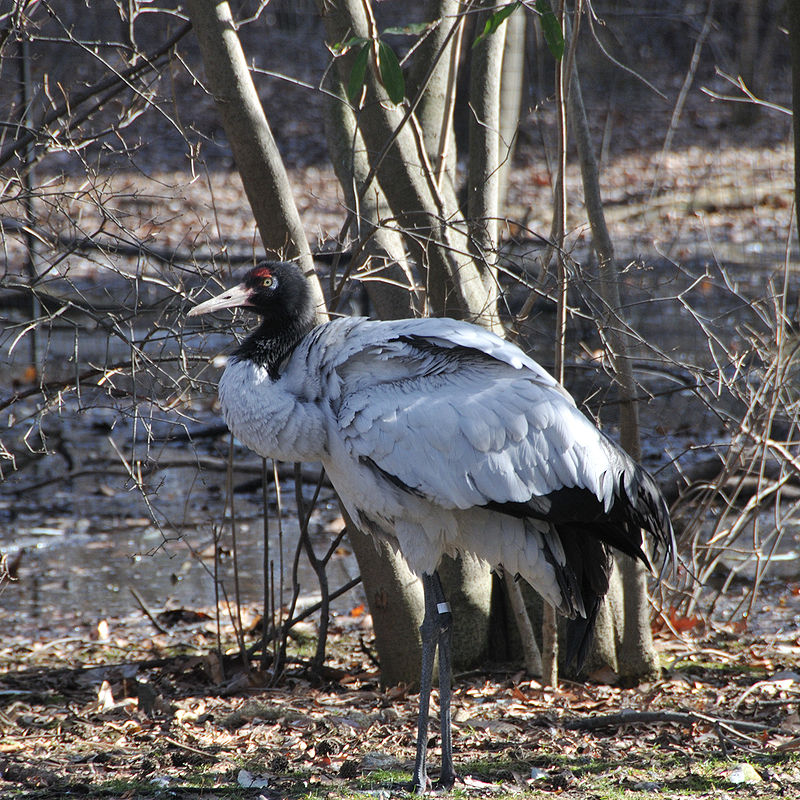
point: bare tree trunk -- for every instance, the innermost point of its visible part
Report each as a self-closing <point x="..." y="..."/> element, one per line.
<point x="750" y="16"/>
<point x="390" y="286"/>
<point x="257" y="158"/>
<point x="636" y="657"/>
<point x="530" y="648"/>
<point x="512" y="84"/>
<point x="610" y="323"/>
<point x="394" y="596"/>
<point x="467" y="582"/>
<point x="435" y="109"/>
<point x="455" y="287"/>
<point x="558" y="231"/>
<point x="484" y="152"/>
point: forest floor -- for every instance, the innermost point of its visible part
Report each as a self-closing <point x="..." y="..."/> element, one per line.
<point x="111" y="708"/>
<point x="124" y="711"/>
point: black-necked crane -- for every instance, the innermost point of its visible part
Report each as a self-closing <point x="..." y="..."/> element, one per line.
<point x="439" y="437"/>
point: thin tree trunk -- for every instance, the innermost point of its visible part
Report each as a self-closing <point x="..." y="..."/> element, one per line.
<point x="637" y="656"/>
<point x="484" y="151"/>
<point x="750" y="16"/>
<point x="512" y="83"/>
<point x="611" y="323"/>
<point x="254" y="150"/>
<point x="530" y="649"/>
<point x="558" y="231"/>
<point x="455" y="287"/>
<point x="435" y="109"/>
<point x="394" y="594"/>
<point x="390" y="285"/>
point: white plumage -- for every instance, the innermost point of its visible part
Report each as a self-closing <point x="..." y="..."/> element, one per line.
<point x="439" y="437"/>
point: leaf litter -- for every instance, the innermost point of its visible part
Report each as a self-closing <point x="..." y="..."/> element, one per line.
<point x="148" y="711"/>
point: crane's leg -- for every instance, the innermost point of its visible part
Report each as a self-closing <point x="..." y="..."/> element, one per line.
<point x="435" y="629"/>
<point x="447" y="776"/>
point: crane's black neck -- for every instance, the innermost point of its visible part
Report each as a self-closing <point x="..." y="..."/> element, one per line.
<point x="273" y="342"/>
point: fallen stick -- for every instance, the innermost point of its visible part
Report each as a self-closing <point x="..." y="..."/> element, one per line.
<point x="633" y="717"/>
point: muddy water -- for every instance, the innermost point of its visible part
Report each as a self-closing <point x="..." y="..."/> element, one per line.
<point x="116" y="506"/>
<point x="94" y="544"/>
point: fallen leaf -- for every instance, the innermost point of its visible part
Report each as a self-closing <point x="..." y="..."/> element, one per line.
<point x="247" y="780"/>
<point x="744" y="773"/>
<point x="604" y="674"/>
<point x="105" y="697"/>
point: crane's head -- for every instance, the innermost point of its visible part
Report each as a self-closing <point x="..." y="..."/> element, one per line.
<point x="276" y="290"/>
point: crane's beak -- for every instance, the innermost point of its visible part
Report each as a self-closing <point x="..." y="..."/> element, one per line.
<point x="232" y="298"/>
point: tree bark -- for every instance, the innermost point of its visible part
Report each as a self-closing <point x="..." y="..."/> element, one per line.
<point x="254" y="150"/>
<point x="512" y="84"/>
<point x="394" y="597"/>
<point x="455" y="287"/>
<point x="750" y="16"/>
<point x="636" y="657"/>
<point x="435" y="109"/>
<point x="483" y="181"/>
<point x="390" y="286"/>
<point x="531" y="655"/>
<point x="467" y="583"/>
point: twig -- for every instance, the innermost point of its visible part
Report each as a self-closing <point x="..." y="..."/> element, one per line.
<point x="117" y="81"/>
<point x="317" y="564"/>
<point x="309" y="611"/>
<point x="176" y="743"/>
<point x="237" y="621"/>
<point x="146" y="611"/>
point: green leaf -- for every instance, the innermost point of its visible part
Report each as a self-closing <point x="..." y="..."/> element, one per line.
<point x="357" y="73"/>
<point x="496" y="19"/>
<point x="391" y="73"/>
<point x="551" y="29"/>
<point x="413" y="29"/>
<point x="342" y="47"/>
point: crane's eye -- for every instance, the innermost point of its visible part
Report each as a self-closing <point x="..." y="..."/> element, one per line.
<point x="268" y="282"/>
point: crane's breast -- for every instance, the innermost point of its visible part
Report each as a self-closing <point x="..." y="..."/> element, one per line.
<point x="271" y="417"/>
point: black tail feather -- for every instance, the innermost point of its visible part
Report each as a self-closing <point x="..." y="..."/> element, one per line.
<point x="580" y="634"/>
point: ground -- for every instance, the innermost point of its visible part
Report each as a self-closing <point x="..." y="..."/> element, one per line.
<point x="125" y="711"/>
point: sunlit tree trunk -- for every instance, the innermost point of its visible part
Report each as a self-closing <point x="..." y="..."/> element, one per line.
<point x="254" y="150"/>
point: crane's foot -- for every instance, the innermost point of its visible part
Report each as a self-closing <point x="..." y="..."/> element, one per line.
<point x="420" y="786"/>
<point x="444" y="784"/>
<point x="446" y="780"/>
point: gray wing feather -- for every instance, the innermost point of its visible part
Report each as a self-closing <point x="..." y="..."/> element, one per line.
<point x="470" y="431"/>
